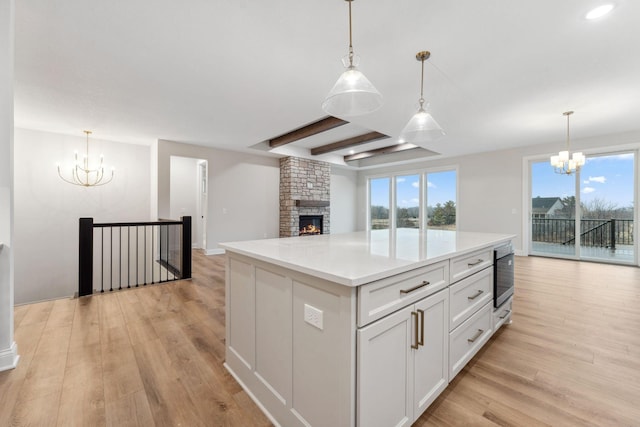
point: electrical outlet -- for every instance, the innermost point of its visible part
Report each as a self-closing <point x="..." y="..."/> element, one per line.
<point x="313" y="316"/>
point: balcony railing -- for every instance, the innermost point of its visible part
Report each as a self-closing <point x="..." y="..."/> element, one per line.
<point x="130" y="254"/>
<point x="604" y="233"/>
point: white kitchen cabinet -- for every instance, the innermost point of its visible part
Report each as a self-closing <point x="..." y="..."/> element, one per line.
<point x="379" y="298"/>
<point x="468" y="338"/>
<point x="468" y="295"/>
<point x="471" y="263"/>
<point x="503" y="314"/>
<point x="403" y="363"/>
<point x="319" y="330"/>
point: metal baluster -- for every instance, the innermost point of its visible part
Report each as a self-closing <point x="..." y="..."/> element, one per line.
<point x="153" y="253"/>
<point x="120" y="258"/>
<point x="111" y="259"/>
<point x="102" y="263"/>
<point x="128" y="257"/>
<point x="137" y="256"/>
<point x="145" y="256"/>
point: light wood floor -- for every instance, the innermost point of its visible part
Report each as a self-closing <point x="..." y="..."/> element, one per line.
<point x="153" y="356"/>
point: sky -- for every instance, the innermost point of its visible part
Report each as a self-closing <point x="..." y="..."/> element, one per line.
<point x="441" y="187"/>
<point x="608" y="178"/>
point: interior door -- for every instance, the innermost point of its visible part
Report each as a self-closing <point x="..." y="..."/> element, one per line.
<point x="203" y="204"/>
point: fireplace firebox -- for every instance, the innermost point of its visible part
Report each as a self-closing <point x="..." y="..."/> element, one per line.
<point x="310" y="225"/>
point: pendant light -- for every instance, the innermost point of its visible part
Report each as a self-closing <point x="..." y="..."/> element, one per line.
<point x="561" y="163"/>
<point x="82" y="175"/>
<point x="422" y="128"/>
<point x="353" y="94"/>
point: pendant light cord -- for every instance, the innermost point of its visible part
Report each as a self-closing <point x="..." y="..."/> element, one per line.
<point x="350" y="37"/>
<point x="568" y="143"/>
<point x="422" y="86"/>
<point x="568" y="113"/>
<point x="86" y="159"/>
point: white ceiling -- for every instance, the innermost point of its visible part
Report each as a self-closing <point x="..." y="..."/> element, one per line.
<point x="234" y="73"/>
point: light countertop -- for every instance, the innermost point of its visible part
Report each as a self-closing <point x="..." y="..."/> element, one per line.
<point x="353" y="259"/>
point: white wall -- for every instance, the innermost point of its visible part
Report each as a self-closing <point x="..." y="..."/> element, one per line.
<point x="492" y="185"/>
<point x="343" y="200"/>
<point x="8" y="349"/>
<point x="47" y="209"/>
<point x="184" y="195"/>
<point x="243" y="192"/>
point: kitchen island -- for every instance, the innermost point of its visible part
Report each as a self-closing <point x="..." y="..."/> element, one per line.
<point x="356" y="329"/>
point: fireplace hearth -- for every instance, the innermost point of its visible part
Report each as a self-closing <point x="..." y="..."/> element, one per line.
<point x="310" y="225"/>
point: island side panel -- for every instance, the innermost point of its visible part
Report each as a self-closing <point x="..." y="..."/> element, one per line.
<point x="240" y="314"/>
<point x="273" y="335"/>
<point x="324" y="372"/>
<point x="297" y="373"/>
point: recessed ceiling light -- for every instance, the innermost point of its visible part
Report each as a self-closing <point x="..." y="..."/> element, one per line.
<point x="599" y="11"/>
<point x="352" y="151"/>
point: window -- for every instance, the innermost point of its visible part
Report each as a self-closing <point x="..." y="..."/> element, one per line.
<point x="418" y="200"/>
<point x="408" y="201"/>
<point x="379" y="197"/>
<point x="440" y="194"/>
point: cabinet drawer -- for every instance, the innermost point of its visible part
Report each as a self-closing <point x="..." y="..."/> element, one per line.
<point x="502" y="315"/>
<point x="466" y="265"/>
<point x="382" y="297"/>
<point x="468" y="295"/>
<point x="468" y="338"/>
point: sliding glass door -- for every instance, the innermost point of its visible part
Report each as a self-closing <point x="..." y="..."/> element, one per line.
<point x="607" y="208"/>
<point x="553" y="213"/>
<point x="588" y="215"/>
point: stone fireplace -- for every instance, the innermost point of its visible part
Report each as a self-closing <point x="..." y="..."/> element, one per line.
<point x="304" y="190"/>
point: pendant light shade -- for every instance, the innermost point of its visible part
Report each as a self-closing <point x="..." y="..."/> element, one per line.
<point x="353" y="94"/>
<point x="422" y="128"/>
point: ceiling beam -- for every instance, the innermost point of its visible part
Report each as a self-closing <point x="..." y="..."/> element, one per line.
<point x="349" y="142"/>
<point x="380" y="151"/>
<point x="321" y="125"/>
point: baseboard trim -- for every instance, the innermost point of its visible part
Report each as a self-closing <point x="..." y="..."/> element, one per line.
<point x="214" y="252"/>
<point x="9" y="357"/>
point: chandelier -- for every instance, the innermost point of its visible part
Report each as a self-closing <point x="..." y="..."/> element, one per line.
<point x="353" y="94"/>
<point x="82" y="174"/>
<point x="422" y="128"/>
<point x="561" y="163"/>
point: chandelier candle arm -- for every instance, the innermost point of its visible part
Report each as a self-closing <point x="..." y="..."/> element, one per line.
<point x="563" y="163"/>
<point x="84" y="176"/>
<point x="353" y="94"/>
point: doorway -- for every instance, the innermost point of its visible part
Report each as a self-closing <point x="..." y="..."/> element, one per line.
<point x="202" y="207"/>
<point x="588" y="215"/>
<point x="188" y="195"/>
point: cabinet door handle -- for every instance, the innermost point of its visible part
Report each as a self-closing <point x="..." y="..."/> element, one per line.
<point x="421" y="285"/>
<point x="476" y="336"/>
<point x="506" y="313"/>
<point x="480" y="292"/>
<point x="473" y="264"/>
<point x="421" y="340"/>
<point x="415" y="330"/>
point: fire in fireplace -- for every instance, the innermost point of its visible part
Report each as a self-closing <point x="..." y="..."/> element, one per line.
<point x="310" y="225"/>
